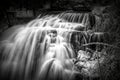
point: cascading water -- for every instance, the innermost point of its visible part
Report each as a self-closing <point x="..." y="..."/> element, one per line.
<point x="42" y="50"/>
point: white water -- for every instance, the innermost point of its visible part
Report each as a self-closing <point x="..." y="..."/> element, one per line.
<point x="30" y="54"/>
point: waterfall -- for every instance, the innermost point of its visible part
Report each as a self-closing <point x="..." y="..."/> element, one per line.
<point x="42" y="50"/>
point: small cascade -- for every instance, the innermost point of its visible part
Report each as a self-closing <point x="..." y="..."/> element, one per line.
<point x="45" y="48"/>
